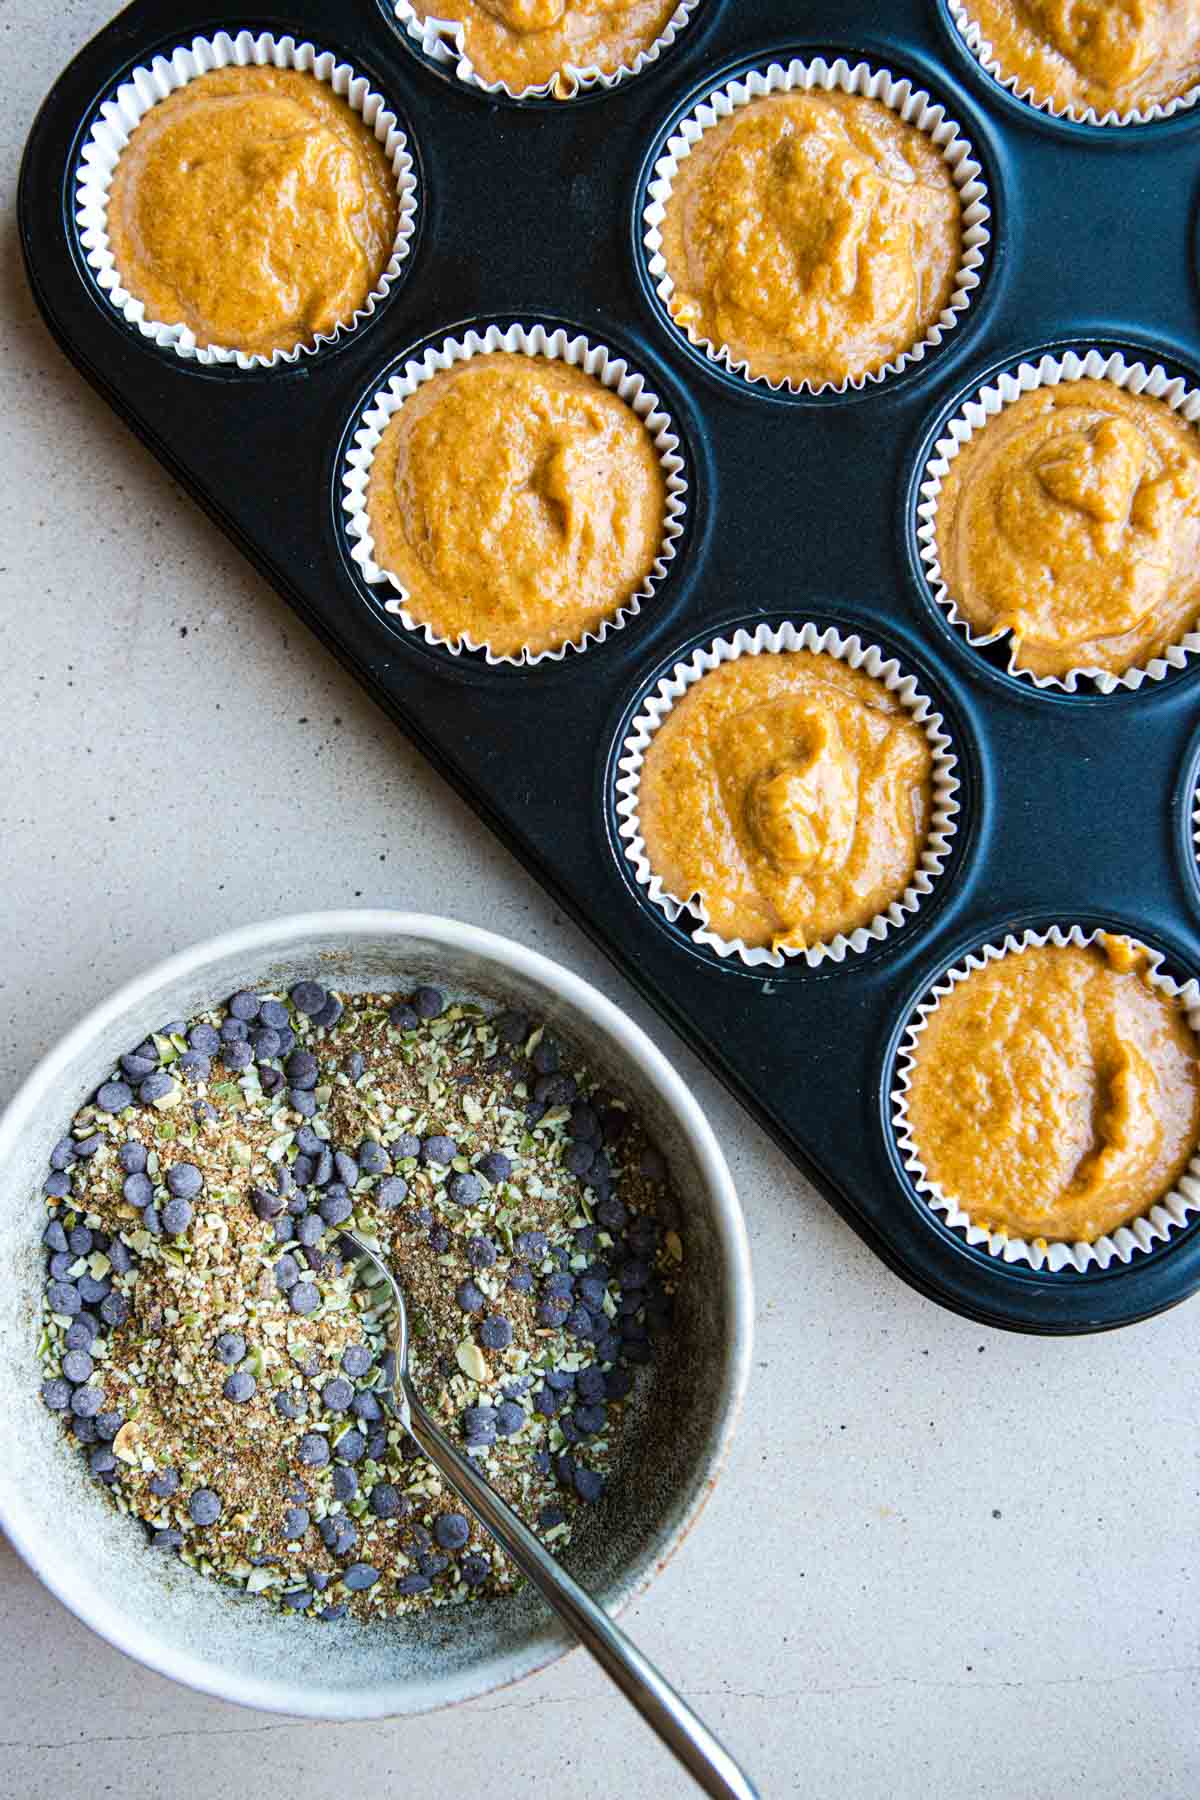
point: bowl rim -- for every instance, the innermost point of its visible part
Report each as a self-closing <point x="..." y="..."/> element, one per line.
<point x="33" y="1536"/>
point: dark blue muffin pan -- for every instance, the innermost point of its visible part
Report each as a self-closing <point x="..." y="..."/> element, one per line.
<point x="1074" y="808"/>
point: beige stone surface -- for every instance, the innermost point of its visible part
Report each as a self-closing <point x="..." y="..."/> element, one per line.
<point x="944" y="1561"/>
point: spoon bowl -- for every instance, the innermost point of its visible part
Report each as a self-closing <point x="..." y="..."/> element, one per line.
<point x="221" y="1642"/>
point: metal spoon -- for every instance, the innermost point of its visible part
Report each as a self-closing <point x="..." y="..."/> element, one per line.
<point x="686" y="1736"/>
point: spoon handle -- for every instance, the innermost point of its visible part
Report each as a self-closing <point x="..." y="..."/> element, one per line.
<point x="685" y="1735"/>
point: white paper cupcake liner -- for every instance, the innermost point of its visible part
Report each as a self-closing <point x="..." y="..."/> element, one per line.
<point x="915" y="107"/>
<point x="980" y="48"/>
<point x="526" y="340"/>
<point x="1142" y="1234"/>
<point x="767" y="640"/>
<point x="444" y="42"/>
<point x="116" y="120"/>
<point x="1048" y="371"/>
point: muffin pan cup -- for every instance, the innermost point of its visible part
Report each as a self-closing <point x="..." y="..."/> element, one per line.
<point x="442" y="43"/>
<point x="798" y="507"/>
<point x="555" y="345"/>
<point x="816" y="75"/>
<point x="1130" y="374"/>
<point x="962" y="24"/>
<point x="142" y="89"/>
<point x="1139" y="1235"/>
<point x="763" y="640"/>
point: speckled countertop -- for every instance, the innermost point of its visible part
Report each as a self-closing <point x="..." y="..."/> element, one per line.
<point x="944" y="1561"/>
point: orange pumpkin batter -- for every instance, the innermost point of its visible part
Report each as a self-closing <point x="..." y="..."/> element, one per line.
<point x="527" y="43"/>
<point x="518" y="501"/>
<point x="792" y="793"/>
<point x="254" y="207"/>
<point x="815" y="235"/>
<point x="1072" y="519"/>
<point x="1056" y="1092"/>
<point x="1109" y="55"/>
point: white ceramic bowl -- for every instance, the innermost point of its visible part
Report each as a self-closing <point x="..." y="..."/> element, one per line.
<point x="198" y="1632"/>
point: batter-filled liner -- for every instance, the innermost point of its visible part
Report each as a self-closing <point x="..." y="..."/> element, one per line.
<point x="1049" y="370"/>
<point x="143" y="89"/>
<point x="767" y="640"/>
<point x="443" y="41"/>
<point x="1171" y="1213"/>
<point x="972" y="36"/>
<point x="533" y="340"/>
<point x="901" y="96"/>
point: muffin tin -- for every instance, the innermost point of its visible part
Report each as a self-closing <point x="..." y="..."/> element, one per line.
<point x="1074" y="807"/>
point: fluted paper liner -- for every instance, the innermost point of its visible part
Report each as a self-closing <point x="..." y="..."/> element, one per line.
<point x="1048" y="371"/>
<point x="971" y="34"/>
<point x="901" y="96"/>
<point x="767" y="640"/>
<point x="118" y="117"/>
<point x="1169" y="1214"/>
<point x="444" y="42"/>
<point x="612" y="371"/>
